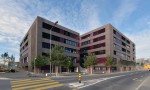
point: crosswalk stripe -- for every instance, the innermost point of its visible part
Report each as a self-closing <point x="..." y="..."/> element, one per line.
<point x="47" y="87"/>
<point x="34" y="86"/>
<point x="33" y="83"/>
<point x="29" y="80"/>
<point x="26" y="81"/>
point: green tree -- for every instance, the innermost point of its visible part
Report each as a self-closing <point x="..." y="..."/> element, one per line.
<point x="68" y="63"/>
<point x="109" y="63"/>
<point x="39" y="62"/>
<point x="57" y="57"/>
<point x="89" y="61"/>
<point x="5" y="57"/>
<point x="142" y="64"/>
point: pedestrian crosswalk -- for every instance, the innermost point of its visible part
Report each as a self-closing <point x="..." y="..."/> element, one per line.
<point x="34" y="84"/>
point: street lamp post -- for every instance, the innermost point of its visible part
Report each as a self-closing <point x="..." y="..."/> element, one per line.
<point x="34" y="64"/>
<point x="50" y="44"/>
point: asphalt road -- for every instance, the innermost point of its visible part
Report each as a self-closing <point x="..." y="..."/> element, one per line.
<point x="129" y="81"/>
<point x="71" y="79"/>
<point x="126" y="81"/>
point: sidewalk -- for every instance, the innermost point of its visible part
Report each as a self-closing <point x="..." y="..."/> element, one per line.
<point x="76" y="74"/>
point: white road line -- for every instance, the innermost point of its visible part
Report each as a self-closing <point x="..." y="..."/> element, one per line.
<point x="141" y="84"/>
<point x="99" y="81"/>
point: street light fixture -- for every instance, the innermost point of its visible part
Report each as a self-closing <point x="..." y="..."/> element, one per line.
<point x="51" y="44"/>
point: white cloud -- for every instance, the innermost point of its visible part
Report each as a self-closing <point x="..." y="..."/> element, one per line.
<point x="91" y="13"/>
<point x="123" y="11"/>
<point x="141" y="37"/>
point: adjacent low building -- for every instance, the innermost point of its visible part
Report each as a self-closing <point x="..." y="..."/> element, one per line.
<point x="103" y="41"/>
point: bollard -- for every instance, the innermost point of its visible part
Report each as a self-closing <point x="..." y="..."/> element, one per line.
<point x="79" y="78"/>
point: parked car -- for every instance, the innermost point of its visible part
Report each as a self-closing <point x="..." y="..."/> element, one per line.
<point x="12" y="70"/>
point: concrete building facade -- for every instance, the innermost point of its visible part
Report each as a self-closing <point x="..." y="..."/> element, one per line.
<point x="104" y="41"/>
<point x="37" y="41"/>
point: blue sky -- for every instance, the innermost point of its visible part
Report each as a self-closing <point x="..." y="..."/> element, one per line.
<point x="131" y="17"/>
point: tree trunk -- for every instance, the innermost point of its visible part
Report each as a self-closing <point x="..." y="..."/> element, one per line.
<point x="56" y="70"/>
<point x="91" y="69"/>
<point x="108" y="69"/>
<point x="68" y="70"/>
<point x="38" y="70"/>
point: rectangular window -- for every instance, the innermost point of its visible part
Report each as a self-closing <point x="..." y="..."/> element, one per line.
<point x="84" y="37"/>
<point x="99" y="38"/>
<point x="99" y="32"/>
<point x="117" y="47"/>
<point x="46" y="26"/>
<point x="128" y="41"/>
<point x="124" y="50"/>
<point x="100" y="52"/>
<point x="85" y="43"/>
<point x="45" y="35"/>
<point x="69" y="42"/>
<point x="55" y="38"/>
<point x="26" y="44"/>
<point x="123" y="38"/>
<point x="25" y="38"/>
<point x="123" y="44"/>
<point x="45" y="45"/>
<point x="99" y="45"/>
<point x="70" y="50"/>
<point x="117" y="40"/>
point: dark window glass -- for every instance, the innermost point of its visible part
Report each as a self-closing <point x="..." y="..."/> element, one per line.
<point x="25" y="38"/>
<point x="85" y="43"/>
<point x="99" y="32"/>
<point x="46" y="26"/>
<point x="46" y="35"/>
<point x="114" y="52"/>
<point x="55" y="29"/>
<point x="85" y="49"/>
<point x="100" y="52"/>
<point x="72" y="43"/>
<point x="114" y="31"/>
<point x="117" y="40"/>
<point x="124" y="50"/>
<point x="99" y="45"/>
<point x="45" y="54"/>
<point x="58" y="30"/>
<point x="70" y="50"/>
<point x="45" y="45"/>
<point x="117" y="47"/>
<point x="84" y="37"/>
<point x="117" y="34"/>
<point x="128" y="41"/>
<point x="123" y="44"/>
<point x="26" y="44"/>
<point x="123" y="38"/>
<point x="128" y="51"/>
<point x="55" y="38"/>
<point x="99" y="39"/>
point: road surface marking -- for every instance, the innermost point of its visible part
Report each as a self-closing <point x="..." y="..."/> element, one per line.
<point x="46" y="87"/>
<point x="34" y="84"/>
<point x="31" y="83"/>
<point x="135" y="79"/>
<point x="142" y="84"/>
<point x="100" y="81"/>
